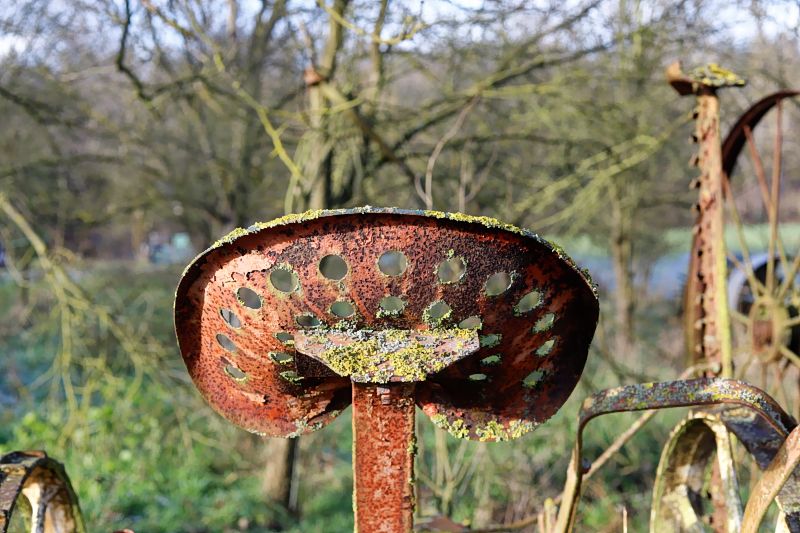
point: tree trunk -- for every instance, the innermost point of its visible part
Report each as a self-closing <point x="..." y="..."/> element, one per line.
<point x="622" y="258"/>
<point x="279" y="461"/>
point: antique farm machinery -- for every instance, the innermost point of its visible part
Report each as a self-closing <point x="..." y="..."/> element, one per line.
<point x="486" y="328"/>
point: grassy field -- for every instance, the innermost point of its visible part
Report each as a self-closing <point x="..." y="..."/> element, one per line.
<point x="144" y="451"/>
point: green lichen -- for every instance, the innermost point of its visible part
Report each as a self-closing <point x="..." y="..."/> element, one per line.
<point x="302" y="427"/>
<point x="493" y="430"/>
<point x="412" y="446"/>
<point x="518" y="428"/>
<point x="396" y="355"/>
<point x="496" y="431"/>
<point x="714" y="75"/>
<point x="457" y="428"/>
<point x="348" y="324"/>
<point x="363" y="359"/>
<point x="230" y="237"/>
<point x="488" y="429"/>
<point x="391" y="355"/>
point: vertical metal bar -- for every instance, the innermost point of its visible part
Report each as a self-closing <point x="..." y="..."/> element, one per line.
<point x="713" y="266"/>
<point x="384" y="446"/>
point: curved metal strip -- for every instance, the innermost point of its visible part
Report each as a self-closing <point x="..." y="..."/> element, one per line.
<point x="40" y="484"/>
<point x="681" y="477"/>
<point x="758" y="407"/>
<point x="780" y="480"/>
<point x="734" y="142"/>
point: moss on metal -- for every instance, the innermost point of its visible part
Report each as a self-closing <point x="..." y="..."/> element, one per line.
<point x="390" y="355"/>
<point x="491" y="430"/>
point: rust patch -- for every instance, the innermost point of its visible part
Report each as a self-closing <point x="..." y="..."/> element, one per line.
<point x="383" y="457"/>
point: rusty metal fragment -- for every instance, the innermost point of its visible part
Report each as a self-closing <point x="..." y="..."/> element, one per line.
<point x="737" y="136"/>
<point x="765" y="344"/>
<point x="752" y="415"/>
<point x="681" y="478"/>
<point x="37" y="487"/>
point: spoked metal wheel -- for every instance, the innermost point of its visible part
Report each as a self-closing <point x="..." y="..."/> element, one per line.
<point x="762" y="232"/>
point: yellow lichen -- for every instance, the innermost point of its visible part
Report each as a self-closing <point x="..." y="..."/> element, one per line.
<point x="458" y="428"/>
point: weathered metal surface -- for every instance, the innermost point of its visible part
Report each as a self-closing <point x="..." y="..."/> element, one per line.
<point x="732" y="146"/>
<point x="387" y="356"/>
<point x="485" y="326"/>
<point x="680" y="489"/>
<point x="37" y="487"/>
<point x="752" y="415"/>
<point x="534" y="333"/>
<point x="384" y="447"/>
<point x="712" y="271"/>
<point x="775" y="483"/>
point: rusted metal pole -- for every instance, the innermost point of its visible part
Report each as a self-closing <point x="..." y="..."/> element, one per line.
<point x="707" y="286"/>
<point x="384" y="446"/>
<point x="715" y="324"/>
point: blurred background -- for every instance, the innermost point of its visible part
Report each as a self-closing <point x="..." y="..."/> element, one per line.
<point x="134" y="133"/>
